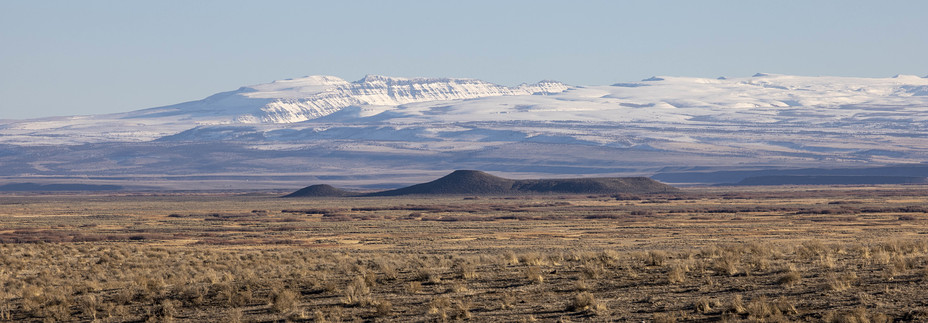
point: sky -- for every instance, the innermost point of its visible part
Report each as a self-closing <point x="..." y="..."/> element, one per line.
<point x="90" y="57"/>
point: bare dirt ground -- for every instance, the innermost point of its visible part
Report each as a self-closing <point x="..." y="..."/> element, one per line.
<point x="836" y="254"/>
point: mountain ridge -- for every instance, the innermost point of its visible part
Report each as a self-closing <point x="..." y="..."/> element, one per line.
<point x="367" y="131"/>
<point x="311" y="97"/>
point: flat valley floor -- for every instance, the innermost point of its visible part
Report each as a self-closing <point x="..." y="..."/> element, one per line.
<point x="804" y="253"/>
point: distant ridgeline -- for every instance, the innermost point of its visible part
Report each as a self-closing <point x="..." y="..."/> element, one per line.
<point x="830" y="180"/>
<point x="472" y="182"/>
<point x="33" y="187"/>
<point x="893" y="174"/>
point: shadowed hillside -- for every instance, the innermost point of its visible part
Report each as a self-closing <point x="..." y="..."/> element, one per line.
<point x="604" y="185"/>
<point x="472" y="182"/>
<point x="458" y="182"/>
<point x="321" y="190"/>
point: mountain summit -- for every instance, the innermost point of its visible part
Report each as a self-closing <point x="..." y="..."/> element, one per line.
<point x="311" y="97"/>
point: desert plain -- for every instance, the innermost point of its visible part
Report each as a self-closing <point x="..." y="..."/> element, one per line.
<point x="754" y="254"/>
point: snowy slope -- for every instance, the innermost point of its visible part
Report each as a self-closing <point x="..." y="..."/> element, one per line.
<point x="312" y="97"/>
<point x="762" y="99"/>
<point x="546" y="128"/>
<point x="285" y="101"/>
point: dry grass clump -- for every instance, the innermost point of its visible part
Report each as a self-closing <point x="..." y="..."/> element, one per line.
<point x="665" y="317"/>
<point x="923" y="273"/>
<point x="533" y="259"/>
<point x="841" y="282"/>
<point x="534" y="275"/>
<point x="728" y="263"/>
<point x="285" y="301"/>
<point x="6" y="310"/>
<point x="507" y="300"/>
<point x="166" y="311"/>
<point x="791" y="277"/>
<point x="444" y="309"/>
<point x="656" y="258"/>
<point x="383" y="308"/>
<point x="586" y="302"/>
<point x="592" y="270"/>
<point x="856" y="315"/>
<point x="413" y="287"/>
<point x="761" y="308"/>
<point x="676" y="274"/>
<point x="465" y="269"/>
<point x="329" y="315"/>
<point x="428" y="274"/>
<point x="357" y="292"/>
<point x="387" y="268"/>
<point x="736" y="305"/>
<point x="705" y="305"/>
<point x="458" y="287"/>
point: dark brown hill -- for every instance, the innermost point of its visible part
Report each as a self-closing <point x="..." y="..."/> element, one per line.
<point x="321" y="190"/>
<point x="458" y="182"/>
<point x="603" y="185"/>
<point x="472" y="182"/>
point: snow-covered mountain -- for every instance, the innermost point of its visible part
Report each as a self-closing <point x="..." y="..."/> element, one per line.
<point x="378" y="127"/>
<point x="311" y="97"/>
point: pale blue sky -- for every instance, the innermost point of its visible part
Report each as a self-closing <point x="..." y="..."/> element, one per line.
<point x="87" y="57"/>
